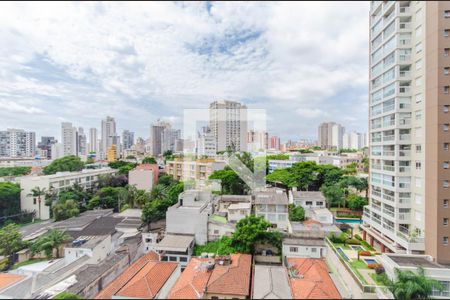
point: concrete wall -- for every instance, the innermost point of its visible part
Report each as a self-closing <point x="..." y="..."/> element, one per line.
<point x="305" y="251"/>
<point x="188" y="221"/>
<point x="142" y="179"/>
<point x="164" y="291"/>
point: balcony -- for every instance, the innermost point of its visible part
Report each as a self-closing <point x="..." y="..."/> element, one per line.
<point x="404" y="169"/>
<point x="389" y="123"/>
<point x="405" y="137"/>
<point x="389" y="213"/>
<point x="404" y="58"/>
<point x="404" y="153"/>
<point x="376" y="167"/>
<point x="376" y="207"/>
<point x="388" y="197"/>
<point x="387" y="138"/>
<point x="405" y="75"/>
<point x="376" y="194"/>
<point x="404" y="217"/>
<point x="404" y="10"/>
<point x="404" y="201"/>
<point x="404" y="42"/>
<point x="389" y="153"/>
<point x="390" y="228"/>
<point x="389" y="168"/>
<point x="376" y="140"/>
<point x="404" y="25"/>
<point x="406" y="121"/>
<point x="404" y="185"/>
<point x="403" y="90"/>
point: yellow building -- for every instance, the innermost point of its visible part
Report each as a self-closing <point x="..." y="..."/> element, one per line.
<point x="112" y="153"/>
<point x="199" y="169"/>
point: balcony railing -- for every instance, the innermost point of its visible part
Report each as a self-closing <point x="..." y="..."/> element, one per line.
<point x="404" y="169"/>
<point x="375" y="193"/>
<point x="404" y="57"/>
<point x="404" y="42"/>
<point x="404" y="201"/>
<point x="405" y="137"/>
<point x="388" y="212"/>
<point x="405" y="25"/>
<point x="376" y="207"/>
<point x="388" y="197"/>
<point x="389" y="123"/>
<point x="389" y="168"/>
<point x="376" y="167"/>
<point x="388" y="138"/>
<point x="404" y="74"/>
<point x="404" y="185"/>
<point x="404" y="89"/>
<point x="389" y="153"/>
<point x="386" y="226"/>
<point x="404" y="216"/>
<point x="404" y="153"/>
<point x="404" y="10"/>
<point x="406" y="121"/>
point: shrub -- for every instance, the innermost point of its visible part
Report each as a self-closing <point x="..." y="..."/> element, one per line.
<point x="353" y="241"/>
<point x="358" y="237"/>
<point x="373" y="266"/>
<point x="365" y="253"/>
<point x="380" y="270"/>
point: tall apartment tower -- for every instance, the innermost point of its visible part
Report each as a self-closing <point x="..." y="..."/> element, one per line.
<point x="157" y="137"/>
<point x="409" y="134"/>
<point x="69" y="139"/>
<point x="93" y="140"/>
<point x="274" y="143"/>
<point x="108" y="135"/>
<point x="127" y="139"/>
<point x="228" y="123"/>
<point x="330" y="135"/>
<point x="17" y="143"/>
<point x="81" y="142"/>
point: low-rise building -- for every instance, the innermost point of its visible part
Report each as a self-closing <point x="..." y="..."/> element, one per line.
<point x="270" y="282"/>
<point x="218" y="226"/>
<point x="310" y="244"/>
<point x="146" y="278"/>
<point x="307" y="199"/>
<point x="220" y="278"/>
<point x="273" y="206"/>
<point x="224" y="201"/>
<point x="238" y="211"/>
<point x="144" y="176"/>
<point x="310" y="279"/>
<point x="198" y="170"/>
<point x="97" y="248"/>
<point x="176" y="248"/>
<point x="322" y="215"/>
<point x="86" y="178"/>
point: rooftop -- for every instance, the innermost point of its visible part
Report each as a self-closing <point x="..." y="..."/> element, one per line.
<point x="240" y="205"/>
<point x="7" y="279"/>
<point x="176" y="242"/>
<point x="304" y="241"/>
<point x="146" y="167"/>
<point x="235" y="198"/>
<point x="87" y="242"/>
<point x="142" y="279"/>
<point x="310" y="196"/>
<point x="99" y="226"/>
<point x="271" y="282"/>
<point x="203" y="275"/>
<point x="310" y="279"/>
<point x="271" y="197"/>
<point x="414" y="261"/>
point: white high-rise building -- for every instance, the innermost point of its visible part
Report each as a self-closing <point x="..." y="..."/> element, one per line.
<point x="228" y="123"/>
<point x="330" y="135"/>
<point x="17" y="143"/>
<point x="206" y="143"/>
<point x="93" y="140"/>
<point x="82" y="142"/>
<point x="127" y="139"/>
<point x="409" y="134"/>
<point x="353" y="140"/>
<point x="109" y="135"/>
<point x="69" y="139"/>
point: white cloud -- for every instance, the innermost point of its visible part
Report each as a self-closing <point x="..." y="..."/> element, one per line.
<point x="140" y="61"/>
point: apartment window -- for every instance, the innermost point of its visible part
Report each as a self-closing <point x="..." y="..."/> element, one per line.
<point x="446" y="32"/>
<point x="445" y="127"/>
<point x="313" y="250"/>
<point x="418" y="114"/>
<point x="293" y="249"/>
<point x="445" y="204"/>
<point x="446" y="71"/>
<point x="446" y="146"/>
<point x="34" y="200"/>
<point x="445" y="240"/>
<point x="445" y="222"/>
<point x="172" y="258"/>
<point x="445" y="165"/>
<point x="419" y="47"/>
<point x="446" y="13"/>
<point x="418" y="182"/>
<point x="183" y="259"/>
<point x="446" y="89"/>
<point x="418" y="148"/>
<point x="419" y="81"/>
<point x="418" y="165"/>
<point x="419" y="64"/>
<point x="446" y="51"/>
<point x="418" y="98"/>
<point x="446" y="108"/>
<point x="445" y="184"/>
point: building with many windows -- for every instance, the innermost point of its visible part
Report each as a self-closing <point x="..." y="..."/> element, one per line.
<point x="17" y="143"/>
<point x="409" y="115"/>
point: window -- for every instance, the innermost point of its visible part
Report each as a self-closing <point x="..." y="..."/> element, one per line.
<point x="183" y="259"/>
<point x="293" y="249"/>
<point x="445" y="184"/>
<point x="216" y="231"/>
<point x="418" y="148"/>
<point x="418" y="98"/>
<point x="445" y="165"/>
<point x="446" y="146"/>
<point x="445" y="240"/>
<point x="446" y="89"/>
<point x="418" y="114"/>
<point x="446" y="13"/>
<point x="419" y="30"/>
<point x="445" y="221"/>
<point x="446" y="32"/>
<point x="419" y="47"/>
<point x="313" y="250"/>
<point x="319" y="203"/>
<point x="446" y="108"/>
<point x="418" y="182"/>
<point x="34" y="200"/>
<point x="418" y="165"/>
<point x="172" y="258"/>
<point x="445" y="127"/>
<point x="419" y="64"/>
<point x="445" y="204"/>
<point x="446" y="51"/>
<point x="446" y="70"/>
<point x="419" y="81"/>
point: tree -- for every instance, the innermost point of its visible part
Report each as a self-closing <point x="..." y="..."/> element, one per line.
<point x="14" y="171"/>
<point x="356" y="202"/>
<point x="69" y="163"/>
<point x="220" y="247"/>
<point x="296" y="213"/>
<point x="159" y="191"/>
<point x="38" y="192"/>
<point x="67" y="296"/>
<point x="351" y="169"/>
<point x="9" y="198"/>
<point x="334" y="195"/>
<point x="106" y="197"/>
<point x="131" y="157"/>
<point x="149" y="160"/>
<point x="249" y="230"/>
<point x="231" y="183"/>
<point x="168" y="155"/>
<point x="65" y="210"/>
<point x="365" y="162"/>
<point x="49" y="241"/>
<point x="109" y="180"/>
<point x="10" y="241"/>
<point x="410" y="285"/>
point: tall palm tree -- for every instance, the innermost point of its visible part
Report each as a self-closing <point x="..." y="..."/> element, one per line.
<point x="38" y="192"/>
<point x="411" y="285"/>
<point x="52" y="240"/>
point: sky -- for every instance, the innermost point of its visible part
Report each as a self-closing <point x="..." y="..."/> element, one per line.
<point x="304" y="63"/>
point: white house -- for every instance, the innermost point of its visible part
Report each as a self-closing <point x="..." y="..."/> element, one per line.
<point x="273" y="206"/>
<point x="97" y="248"/>
<point x="305" y="246"/>
<point x="322" y="215"/>
<point x="238" y="211"/>
<point x="307" y="199"/>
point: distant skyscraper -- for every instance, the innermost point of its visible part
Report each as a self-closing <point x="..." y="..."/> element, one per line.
<point x="46" y="145"/>
<point x="228" y="123"/>
<point x="17" y="143"/>
<point x="69" y="139"/>
<point x="257" y="141"/>
<point x="274" y="143"/>
<point x="82" y="142"/>
<point x="206" y="143"/>
<point x="330" y="135"/>
<point x="127" y="139"/>
<point x="108" y="135"/>
<point x="93" y="140"/>
<point x="353" y="140"/>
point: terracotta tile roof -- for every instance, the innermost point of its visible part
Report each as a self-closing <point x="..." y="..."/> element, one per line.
<point x="314" y="281"/>
<point x="146" y="167"/>
<point x="233" y="279"/>
<point x="120" y="282"/>
<point x="7" y="279"/>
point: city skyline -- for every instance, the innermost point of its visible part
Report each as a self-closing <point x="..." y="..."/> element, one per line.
<point x="138" y="78"/>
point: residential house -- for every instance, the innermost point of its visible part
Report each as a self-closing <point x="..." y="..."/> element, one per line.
<point x="322" y="215"/>
<point x="270" y="282"/>
<point x="176" y="248"/>
<point x="307" y="199"/>
<point x="308" y="244"/>
<point x="220" y="278"/>
<point x="238" y="211"/>
<point x="273" y="206"/>
<point x="97" y="248"/>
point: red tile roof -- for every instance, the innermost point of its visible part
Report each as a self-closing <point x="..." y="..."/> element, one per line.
<point x="233" y="279"/>
<point x="143" y="279"/>
<point x="314" y="281"/>
<point x="7" y="279"/>
<point x="146" y="167"/>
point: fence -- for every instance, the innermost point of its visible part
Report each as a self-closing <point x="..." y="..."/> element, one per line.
<point x="21" y="218"/>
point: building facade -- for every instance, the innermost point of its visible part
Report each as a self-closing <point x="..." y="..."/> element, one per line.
<point x="127" y="139"/>
<point x="69" y="139"/>
<point x="109" y="136"/>
<point x="17" y="143"/>
<point x="330" y="135"/>
<point x="409" y="128"/>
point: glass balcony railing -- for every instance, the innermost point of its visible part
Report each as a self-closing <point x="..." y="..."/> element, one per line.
<point x="405" y="137"/>
<point x="388" y="138"/>
<point x="389" y="168"/>
<point x="404" y="10"/>
<point x="404" y="89"/>
<point x="402" y="169"/>
<point x="404" y="153"/>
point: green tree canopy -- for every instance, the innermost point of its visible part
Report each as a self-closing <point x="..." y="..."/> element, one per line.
<point x="9" y="198"/>
<point x="296" y="213"/>
<point x="65" y="210"/>
<point x="67" y="296"/>
<point x="249" y="231"/>
<point x="14" y="171"/>
<point x="10" y="241"/>
<point x="49" y="241"/>
<point x="149" y="160"/>
<point x="67" y="163"/>
<point x="106" y="197"/>
<point x="356" y="202"/>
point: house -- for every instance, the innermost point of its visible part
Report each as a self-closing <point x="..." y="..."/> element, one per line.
<point x="309" y="244"/>
<point x="190" y="215"/>
<point x="224" y="201"/>
<point x="238" y="211"/>
<point x="146" y="278"/>
<point x="97" y="248"/>
<point x="86" y="178"/>
<point x="176" y="248"/>
<point x="310" y="279"/>
<point x="270" y="282"/>
<point x="218" y="226"/>
<point x="313" y="225"/>
<point x="322" y="215"/>
<point x="144" y="176"/>
<point x="273" y="206"/>
<point x="307" y="199"/>
<point x="220" y="278"/>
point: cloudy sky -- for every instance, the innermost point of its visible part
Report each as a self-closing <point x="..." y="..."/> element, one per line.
<point x="303" y="62"/>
